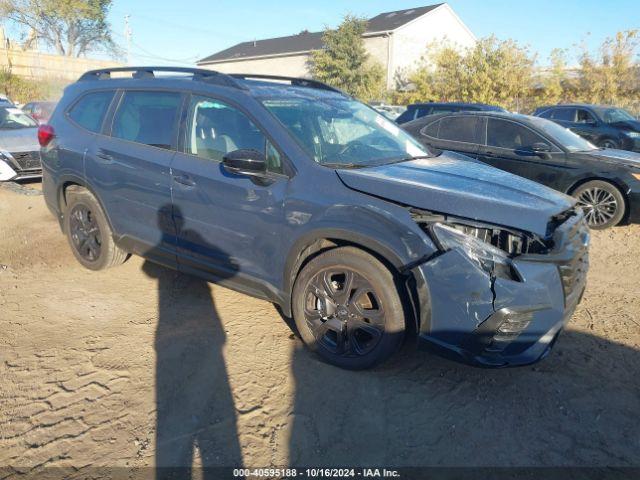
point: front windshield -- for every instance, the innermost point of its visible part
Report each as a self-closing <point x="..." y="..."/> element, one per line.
<point x="563" y="136"/>
<point x="614" y="115"/>
<point x="340" y="132"/>
<point x="12" y="118"/>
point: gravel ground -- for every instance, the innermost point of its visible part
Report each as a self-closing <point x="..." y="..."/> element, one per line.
<point x="140" y="366"/>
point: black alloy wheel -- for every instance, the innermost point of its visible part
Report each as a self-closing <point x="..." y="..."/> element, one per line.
<point x="348" y="307"/>
<point x="88" y="231"/>
<point x="343" y="312"/>
<point x="85" y="233"/>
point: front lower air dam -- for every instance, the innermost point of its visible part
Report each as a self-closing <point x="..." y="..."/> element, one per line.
<point x="6" y="172"/>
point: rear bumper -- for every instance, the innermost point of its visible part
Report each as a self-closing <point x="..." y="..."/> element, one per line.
<point x="469" y="313"/>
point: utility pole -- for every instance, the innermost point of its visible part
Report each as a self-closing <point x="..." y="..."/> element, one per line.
<point x="127" y="36"/>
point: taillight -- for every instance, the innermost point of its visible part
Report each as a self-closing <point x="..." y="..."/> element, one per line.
<point x="45" y="134"/>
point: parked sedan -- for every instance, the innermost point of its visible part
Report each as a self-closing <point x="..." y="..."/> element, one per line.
<point x="606" y="182"/>
<point x="607" y="127"/>
<point x="39" y="111"/>
<point x="419" y="110"/>
<point x="19" y="148"/>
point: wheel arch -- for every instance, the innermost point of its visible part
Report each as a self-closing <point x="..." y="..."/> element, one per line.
<point x="311" y="245"/>
<point x="70" y="181"/>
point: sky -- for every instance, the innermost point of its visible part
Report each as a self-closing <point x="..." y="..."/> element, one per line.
<point x="181" y="32"/>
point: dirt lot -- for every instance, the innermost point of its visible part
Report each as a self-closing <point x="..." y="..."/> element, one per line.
<point x="140" y="366"/>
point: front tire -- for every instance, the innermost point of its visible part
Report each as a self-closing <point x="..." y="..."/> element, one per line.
<point x="88" y="231"/>
<point x="608" y="143"/>
<point x="603" y="204"/>
<point x="348" y="308"/>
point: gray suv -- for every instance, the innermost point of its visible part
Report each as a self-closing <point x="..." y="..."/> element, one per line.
<point x="289" y="190"/>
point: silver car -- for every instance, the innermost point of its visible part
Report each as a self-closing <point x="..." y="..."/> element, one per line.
<point x="19" y="148"/>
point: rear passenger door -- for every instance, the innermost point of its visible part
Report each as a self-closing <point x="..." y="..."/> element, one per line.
<point x="229" y="225"/>
<point x="129" y="168"/>
<point x="459" y="133"/>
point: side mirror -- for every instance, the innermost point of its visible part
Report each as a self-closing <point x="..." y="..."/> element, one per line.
<point x="245" y="162"/>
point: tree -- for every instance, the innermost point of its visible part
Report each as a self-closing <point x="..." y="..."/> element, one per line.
<point x="344" y="63"/>
<point x="492" y="71"/>
<point x="70" y="27"/>
<point x="612" y="76"/>
<point x="553" y="82"/>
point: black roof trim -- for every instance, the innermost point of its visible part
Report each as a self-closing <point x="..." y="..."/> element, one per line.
<point x="199" y="74"/>
<point x="203" y="75"/>
<point x="294" y="81"/>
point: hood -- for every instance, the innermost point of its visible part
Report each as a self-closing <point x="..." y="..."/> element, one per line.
<point x="610" y="155"/>
<point x="19" y="139"/>
<point x="450" y="185"/>
<point x="633" y="125"/>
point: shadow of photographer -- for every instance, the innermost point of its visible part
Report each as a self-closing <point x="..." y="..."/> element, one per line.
<point x="195" y="408"/>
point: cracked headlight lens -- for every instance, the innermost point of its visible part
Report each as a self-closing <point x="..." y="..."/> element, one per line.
<point x="491" y="259"/>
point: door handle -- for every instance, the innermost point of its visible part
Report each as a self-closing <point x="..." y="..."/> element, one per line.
<point x="489" y="153"/>
<point x="184" y="180"/>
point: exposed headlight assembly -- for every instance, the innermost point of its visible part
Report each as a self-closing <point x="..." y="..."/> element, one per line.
<point x="6" y="172"/>
<point x="491" y="259"/>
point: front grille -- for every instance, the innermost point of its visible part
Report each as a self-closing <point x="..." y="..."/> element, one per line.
<point x="27" y="160"/>
<point x="573" y="270"/>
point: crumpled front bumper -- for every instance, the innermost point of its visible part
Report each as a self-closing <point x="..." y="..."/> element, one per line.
<point x="468" y="308"/>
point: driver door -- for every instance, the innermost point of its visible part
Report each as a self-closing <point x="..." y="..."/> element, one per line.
<point x="227" y="224"/>
<point x="508" y="146"/>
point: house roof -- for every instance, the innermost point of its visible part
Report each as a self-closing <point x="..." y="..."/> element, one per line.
<point x="306" y="41"/>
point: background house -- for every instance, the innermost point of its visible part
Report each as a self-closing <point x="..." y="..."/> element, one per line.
<point x="397" y="40"/>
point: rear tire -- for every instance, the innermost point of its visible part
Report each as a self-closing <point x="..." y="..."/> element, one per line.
<point x="603" y="204"/>
<point x="88" y="231"/>
<point x="348" y="309"/>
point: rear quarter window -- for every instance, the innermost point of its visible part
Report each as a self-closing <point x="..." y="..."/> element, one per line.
<point x="431" y="129"/>
<point x="89" y="111"/>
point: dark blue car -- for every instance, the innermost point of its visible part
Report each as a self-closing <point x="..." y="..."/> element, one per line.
<point x="291" y="191"/>
<point x="603" y="125"/>
<point x="419" y="110"/>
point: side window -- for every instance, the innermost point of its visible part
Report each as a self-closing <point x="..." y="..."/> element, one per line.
<point x="510" y="135"/>
<point x="216" y="128"/>
<point x="565" y="114"/>
<point x="147" y="117"/>
<point x="422" y="112"/>
<point x="584" y="116"/>
<point x="546" y="113"/>
<point x="464" y="128"/>
<point x="431" y="130"/>
<point x="444" y="109"/>
<point x="89" y="111"/>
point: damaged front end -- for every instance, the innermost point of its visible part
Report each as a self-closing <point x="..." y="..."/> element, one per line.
<point x="499" y="296"/>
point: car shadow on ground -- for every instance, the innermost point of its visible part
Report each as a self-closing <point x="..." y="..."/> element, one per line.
<point x="578" y="407"/>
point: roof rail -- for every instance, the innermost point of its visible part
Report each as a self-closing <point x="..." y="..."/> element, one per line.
<point x="298" y="82"/>
<point x="199" y="74"/>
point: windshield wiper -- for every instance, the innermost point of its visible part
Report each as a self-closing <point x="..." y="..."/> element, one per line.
<point x="344" y="165"/>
